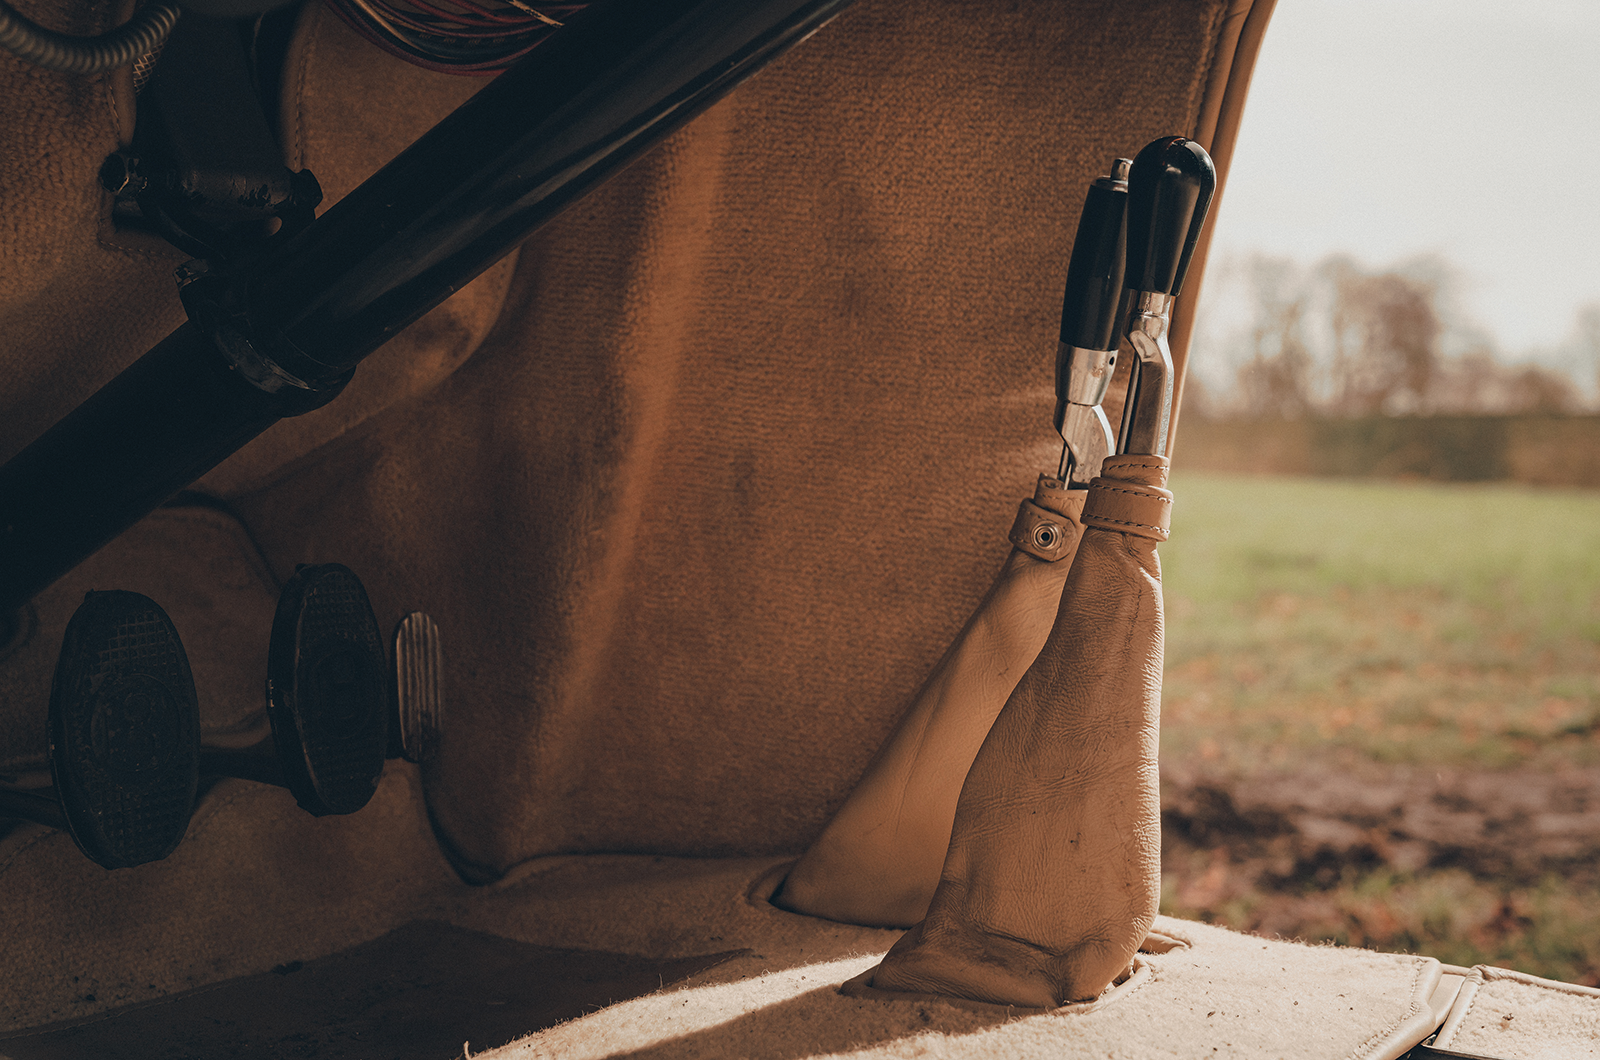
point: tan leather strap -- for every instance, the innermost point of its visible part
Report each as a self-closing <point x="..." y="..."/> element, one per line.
<point x="1128" y="497"/>
<point x="1049" y="525"/>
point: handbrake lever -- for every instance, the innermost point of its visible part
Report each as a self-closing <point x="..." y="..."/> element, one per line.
<point x="1169" y="191"/>
<point x="1086" y="359"/>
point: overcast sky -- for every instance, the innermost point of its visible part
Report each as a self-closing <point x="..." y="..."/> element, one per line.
<point x="1467" y="128"/>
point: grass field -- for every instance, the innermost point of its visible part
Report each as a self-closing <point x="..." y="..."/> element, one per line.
<point x="1319" y="626"/>
<point x="1445" y="624"/>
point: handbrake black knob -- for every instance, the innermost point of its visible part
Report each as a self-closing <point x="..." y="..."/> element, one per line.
<point x="1095" y="270"/>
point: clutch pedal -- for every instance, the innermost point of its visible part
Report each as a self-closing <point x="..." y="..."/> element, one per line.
<point x="124" y="725"/>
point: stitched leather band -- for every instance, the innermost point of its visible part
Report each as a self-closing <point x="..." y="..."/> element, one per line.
<point x="1128" y="497"/>
<point x="1049" y="525"/>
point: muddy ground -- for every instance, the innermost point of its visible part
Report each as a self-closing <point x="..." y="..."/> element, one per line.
<point x="1517" y="826"/>
<point x="1442" y="861"/>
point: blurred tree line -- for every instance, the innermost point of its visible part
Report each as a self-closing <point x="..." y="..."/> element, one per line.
<point x="1339" y="340"/>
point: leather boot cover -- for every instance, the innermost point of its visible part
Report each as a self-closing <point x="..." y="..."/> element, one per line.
<point x="1049" y="525"/>
<point x="1129" y="496"/>
<point x="1053" y="874"/>
<point x="877" y="862"/>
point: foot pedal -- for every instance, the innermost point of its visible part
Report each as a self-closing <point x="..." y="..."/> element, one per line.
<point x="124" y="731"/>
<point x="326" y="693"/>
<point x="417" y="663"/>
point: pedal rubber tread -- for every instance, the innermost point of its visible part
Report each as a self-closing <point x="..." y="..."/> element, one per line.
<point x="327" y="690"/>
<point x="124" y="724"/>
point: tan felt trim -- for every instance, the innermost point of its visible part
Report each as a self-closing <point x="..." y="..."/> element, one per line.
<point x="1484" y="974"/>
<point x="1413" y="1025"/>
<point x="1217" y="129"/>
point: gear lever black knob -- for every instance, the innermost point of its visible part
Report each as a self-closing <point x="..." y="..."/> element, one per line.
<point x="1169" y="192"/>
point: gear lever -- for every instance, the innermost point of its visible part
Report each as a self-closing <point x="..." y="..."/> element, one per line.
<point x="1169" y="192"/>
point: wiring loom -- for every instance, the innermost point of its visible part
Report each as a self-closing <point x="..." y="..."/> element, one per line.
<point x="479" y="37"/>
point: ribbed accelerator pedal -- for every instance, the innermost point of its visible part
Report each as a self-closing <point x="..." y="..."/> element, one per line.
<point x="418" y="665"/>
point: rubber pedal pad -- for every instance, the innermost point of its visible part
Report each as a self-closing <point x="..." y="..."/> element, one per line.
<point x="327" y="696"/>
<point x="124" y="725"/>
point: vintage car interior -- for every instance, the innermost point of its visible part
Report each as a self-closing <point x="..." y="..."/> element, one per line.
<point x="632" y="556"/>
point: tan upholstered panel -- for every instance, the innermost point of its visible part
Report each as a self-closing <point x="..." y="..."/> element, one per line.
<point x="743" y="451"/>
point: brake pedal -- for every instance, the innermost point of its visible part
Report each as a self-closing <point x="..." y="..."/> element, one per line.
<point x="326" y="692"/>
